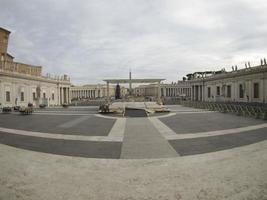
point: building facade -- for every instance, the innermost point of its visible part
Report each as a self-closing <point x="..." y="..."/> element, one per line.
<point x="181" y="89"/>
<point x="244" y="85"/>
<point x="21" y="83"/>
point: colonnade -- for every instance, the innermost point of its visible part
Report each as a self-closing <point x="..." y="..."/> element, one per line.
<point x="174" y="92"/>
<point x="197" y="93"/>
<point x="85" y="93"/>
<point x="64" y="95"/>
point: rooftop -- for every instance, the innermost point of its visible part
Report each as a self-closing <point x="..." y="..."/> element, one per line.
<point x="2" y="29"/>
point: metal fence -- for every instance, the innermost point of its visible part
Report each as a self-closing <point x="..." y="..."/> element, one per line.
<point x="256" y="110"/>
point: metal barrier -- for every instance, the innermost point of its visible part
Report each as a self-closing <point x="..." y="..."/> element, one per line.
<point x="256" y="110"/>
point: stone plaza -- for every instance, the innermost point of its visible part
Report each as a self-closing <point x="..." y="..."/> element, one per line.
<point x="78" y="153"/>
<point x="203" y="137"/>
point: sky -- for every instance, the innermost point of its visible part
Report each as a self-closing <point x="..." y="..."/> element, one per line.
<point x="91" y="40"/>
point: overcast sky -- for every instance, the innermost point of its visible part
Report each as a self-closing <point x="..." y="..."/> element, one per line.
<point x="95" y="39"/>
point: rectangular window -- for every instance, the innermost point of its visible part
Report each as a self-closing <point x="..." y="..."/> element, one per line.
<point x="218" y="91"/>
<point x="209" y="92"/>
<point x="33" y="95"/>
<point x="241" y="91"/>
<point x="53" y="96"/>
<point x="22" y="96"/>
<point x="228" y="91"/>
<point x="256" y="89"/>
<point x="7" y="96"/>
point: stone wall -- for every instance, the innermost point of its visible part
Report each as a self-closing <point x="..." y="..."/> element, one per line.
<point x="3" y="41"/>
<point x="21" y="68"/>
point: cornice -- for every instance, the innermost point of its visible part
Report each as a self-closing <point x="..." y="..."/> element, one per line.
<point x="33" y="78"/>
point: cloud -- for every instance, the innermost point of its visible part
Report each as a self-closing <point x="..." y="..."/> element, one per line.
<point x="92" y="40"/>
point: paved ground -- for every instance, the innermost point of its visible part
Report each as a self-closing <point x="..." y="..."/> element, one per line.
<point x="217" y="143"/>
<point x="92" y="149"/>
<point x="234" y="174"/>
<point x="138" y="143"/>
<point x="63" y="124"/>
<point x="199" y="122"/>
<point x="199" y="155"/>
<point x="83" y="132"/>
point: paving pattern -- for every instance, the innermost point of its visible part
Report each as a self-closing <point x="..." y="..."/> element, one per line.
<point x="81" y="131"/>
<point x="212" y="121"/>
<point x="143" y="140"/>
<point x="54" y="123"/>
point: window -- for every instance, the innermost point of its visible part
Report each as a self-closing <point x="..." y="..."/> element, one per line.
<point x="7" y="96"/>
<point x="33" y="95"/>
<point x="22" y="96"/>
<point x="44" y="95"/>
<point x="241" y="91"/>
<point x="228" y="94"/>
<point x="256" y="89"/>
<point x="218" y="90"/>
<point x="209" y="92"/>
<point x="53" y="96"/>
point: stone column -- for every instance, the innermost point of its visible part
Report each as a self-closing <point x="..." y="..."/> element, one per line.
<point x="192" y="93"/>
<point x="263" y="91"/>
<point x="57" y="95"/>
<point x="68" y="95"/>
<point x="197" y="92"/>
<point x="159" y="100"/>
<point x="61" y="95"/>
<point x="64" y="95"/>
<point x="108" y="100"/>
<point x="201" y="91"/>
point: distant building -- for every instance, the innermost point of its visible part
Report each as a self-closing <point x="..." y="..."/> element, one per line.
<point x="181" y="89"/>
<point x="94" y="91"/>
<point x="21" y="83"/>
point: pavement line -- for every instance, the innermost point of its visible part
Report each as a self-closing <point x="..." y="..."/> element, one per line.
<point x="59" y="114"/>
<point x="142" y="140"/>
<point x="163" y="116"/>
<point x="193" y="112"/>
<point x="74" y="122"/>
<point x="164" y="130"/>
<point x="61" y="136"/>
<point x="66" y="111"/>
<point x="215" y="133"/>
<point x="118" y="128"/>
<point x="105" y="116"/>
